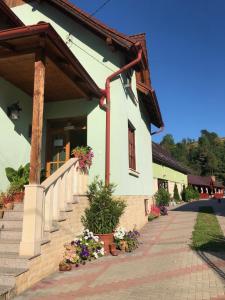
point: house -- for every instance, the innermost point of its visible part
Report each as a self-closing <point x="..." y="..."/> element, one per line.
<point x="207" y="186"/>
<point x="167" y="171"/>
<point x="73" y="81"/>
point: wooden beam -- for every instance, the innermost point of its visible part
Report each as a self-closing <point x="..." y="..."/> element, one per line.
<point x="37" y="121"/>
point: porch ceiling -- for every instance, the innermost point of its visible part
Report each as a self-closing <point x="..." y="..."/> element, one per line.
<point x="65" y="77"/>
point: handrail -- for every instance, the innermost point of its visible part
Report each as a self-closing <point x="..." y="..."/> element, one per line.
<point x="58" y="173"/>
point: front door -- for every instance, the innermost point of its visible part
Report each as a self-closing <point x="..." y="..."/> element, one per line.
<point x="58" y="150"/>
<point x="62" y="137"/>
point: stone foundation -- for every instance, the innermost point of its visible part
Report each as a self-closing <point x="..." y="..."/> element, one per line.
<point x="52" y="252"/>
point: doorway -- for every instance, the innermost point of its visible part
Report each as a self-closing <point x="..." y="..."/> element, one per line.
<point x="63" y="135"/>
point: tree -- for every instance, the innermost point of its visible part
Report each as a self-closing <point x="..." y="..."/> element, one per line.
<point x="206" y="156"/>
<point x="168" y="143"/>
<point x="176" y="195"/>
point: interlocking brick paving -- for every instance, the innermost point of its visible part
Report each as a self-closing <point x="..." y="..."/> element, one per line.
<point x="163" y="267"/>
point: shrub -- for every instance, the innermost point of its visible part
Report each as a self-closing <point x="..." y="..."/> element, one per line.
<point x="151" y="217"/>
<point x="105" y="211"/>
<point x="176" y="195"/>
<point x="191" y="194"/>
<point x="183" y="193"/>
<point x="18" y="178"/>
<point x="162" y="197"/>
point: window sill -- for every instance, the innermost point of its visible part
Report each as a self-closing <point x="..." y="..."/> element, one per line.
<point x="134" y="173"/>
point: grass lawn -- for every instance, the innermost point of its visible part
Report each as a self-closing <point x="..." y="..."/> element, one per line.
<point x="207" y="234"/>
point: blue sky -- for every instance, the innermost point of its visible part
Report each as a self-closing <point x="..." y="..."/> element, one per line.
<point x="186" y="42"/>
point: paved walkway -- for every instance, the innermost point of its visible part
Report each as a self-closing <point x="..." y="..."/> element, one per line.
<point x="164" y="267"/>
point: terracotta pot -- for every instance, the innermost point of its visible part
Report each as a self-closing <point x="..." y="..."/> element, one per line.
<point x="113" y="249"/>
<point x="108" y="240"/>
<point x="1" y="213"/>
<point x="64" y="267"/>
<point x="18" y="197"/>
<point x="9" y="205"/>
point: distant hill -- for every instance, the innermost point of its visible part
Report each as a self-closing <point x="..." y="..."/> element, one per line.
<point x="206" y="156"/>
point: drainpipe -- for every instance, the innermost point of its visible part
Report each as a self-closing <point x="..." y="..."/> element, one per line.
<point x="158" y="131"/>
<point x="106" y="108"/>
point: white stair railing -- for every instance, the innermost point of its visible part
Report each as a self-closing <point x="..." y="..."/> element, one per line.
<point x="44" y="204"/>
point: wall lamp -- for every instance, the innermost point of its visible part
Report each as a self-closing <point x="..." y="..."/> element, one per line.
<point x="13" y="111"/>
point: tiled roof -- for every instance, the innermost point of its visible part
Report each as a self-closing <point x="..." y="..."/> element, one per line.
<point x="93" y="23"/>
<point x="163" y="157"/>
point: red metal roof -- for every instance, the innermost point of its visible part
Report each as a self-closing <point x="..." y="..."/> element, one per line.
<point x="203" y="181"/>
<point x="163" y="157"/>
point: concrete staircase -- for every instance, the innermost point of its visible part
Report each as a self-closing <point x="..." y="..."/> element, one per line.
<point x="11" y="264"/>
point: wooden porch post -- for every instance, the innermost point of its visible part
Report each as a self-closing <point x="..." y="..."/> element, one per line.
<point x="37" y="121"/>
<point x="33" y="219"/>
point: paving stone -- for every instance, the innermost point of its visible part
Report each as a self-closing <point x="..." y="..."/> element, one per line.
<point x="163" y="268"/>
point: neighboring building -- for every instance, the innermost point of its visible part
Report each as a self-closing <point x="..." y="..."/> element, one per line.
<point x="167" y="171"/>
<point x="206" y="185"/>
<point x="52" y="72"/>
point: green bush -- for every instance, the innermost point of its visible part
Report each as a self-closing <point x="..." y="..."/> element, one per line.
<point x="191" y="194"/>
<point x="18" y="178"/>
<point x="162" y="197"/>
<point x="183" y="193"/>
<point x="104" y="211"/>
<point x="151" y="217"/>
<point x="176" y="195"/>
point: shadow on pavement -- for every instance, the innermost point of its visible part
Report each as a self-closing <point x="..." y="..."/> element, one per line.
<point x="217" y="243"/>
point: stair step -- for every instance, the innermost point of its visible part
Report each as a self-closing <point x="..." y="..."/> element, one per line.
<point x="18" y="207"/>
<point x="11" y="246"/>
<point x="11" y="234"/>
<point x="12" y="260"/>
<point x="8" y="224"/>
<point x="13" y="215"/>
<point x="6" y="292"/>
<point x="8" y="275"/>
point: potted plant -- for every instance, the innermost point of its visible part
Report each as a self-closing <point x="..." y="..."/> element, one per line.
<point x="18" y="179"/>
<point x="85" y="156"/>
<point x="104" y="212"/>
<point x="6" y="200"/>
<point x="162" y="198"/>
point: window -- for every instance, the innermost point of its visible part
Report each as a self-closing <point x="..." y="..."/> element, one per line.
<point x="163" y="184"/>
<point x="131" y="150"/>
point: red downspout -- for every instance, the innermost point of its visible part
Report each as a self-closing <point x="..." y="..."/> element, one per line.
<point x="106" y="108"/>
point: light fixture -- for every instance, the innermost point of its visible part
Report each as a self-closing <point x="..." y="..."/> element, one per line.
<point x="69" y="126"/>
<point x="13" y="111"/>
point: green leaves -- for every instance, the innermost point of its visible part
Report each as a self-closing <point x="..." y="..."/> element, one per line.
<point x="162" y="197"/>
<point x="18" y="178"/>
<point x="105" y="211"/>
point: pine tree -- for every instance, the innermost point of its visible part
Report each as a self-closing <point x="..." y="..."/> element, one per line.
<point x="176" y="195"/>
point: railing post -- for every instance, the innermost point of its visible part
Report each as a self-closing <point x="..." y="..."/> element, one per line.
<point x="32" y="220"/>
<point x="69" y="186"/>
<point x="56" y="208"/>
<point x="62" y="193"/>
<point x="49" y="209"/>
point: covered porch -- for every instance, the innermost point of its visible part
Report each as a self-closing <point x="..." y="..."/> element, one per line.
<point x="37" y="61"/>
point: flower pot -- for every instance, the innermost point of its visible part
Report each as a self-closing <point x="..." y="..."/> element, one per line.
<point x="1" y="213"/>
<point x="108" y="240"/>
<point x="64" y="267"/>
<point x="18" y="197"/>
<point x="9" y="205"/>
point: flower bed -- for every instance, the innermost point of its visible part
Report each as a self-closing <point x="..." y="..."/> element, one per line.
<point x="85" y="156"/>
<point x="126" y="240"/>
<point x="88" y="247"/>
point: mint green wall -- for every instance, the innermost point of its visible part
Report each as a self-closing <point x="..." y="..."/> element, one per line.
<point x="100" y="62"/>
<point x="160" y="171"/>
<point x="15" y="143"/>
